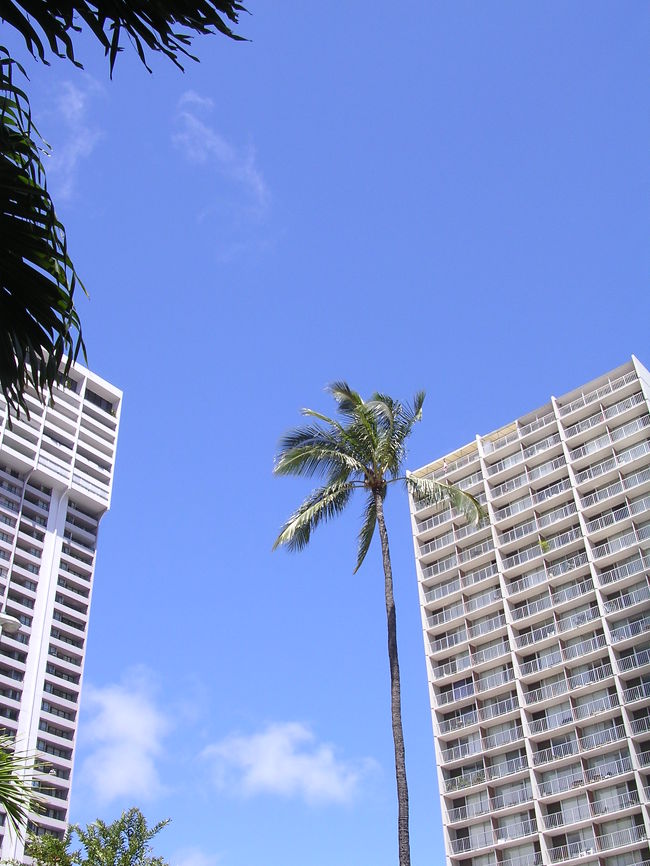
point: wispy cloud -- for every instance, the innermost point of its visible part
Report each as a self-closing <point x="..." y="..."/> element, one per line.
<point x="204" y="145"/>
<point x="78" y="136"/>
<point x="285" y="759"/>
<point x="125" y="735"/>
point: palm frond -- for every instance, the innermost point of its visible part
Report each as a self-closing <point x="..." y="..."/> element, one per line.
<point x="16" y="792"/>
<point x="39" y="322"/>
<point x="347" y="400"/>
<point x="311" y="450"/>
<point x="415" y="410"/>
<point x="320" y="506"/>
<point x="431" y="492"/>
<point x="147" y="24"/>
<point x="367" y="531"/>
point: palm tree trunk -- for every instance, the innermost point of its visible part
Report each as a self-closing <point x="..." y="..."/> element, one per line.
<point x="395" y="693"/>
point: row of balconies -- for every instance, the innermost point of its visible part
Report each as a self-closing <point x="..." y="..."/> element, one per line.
<point x="565" y="680"/>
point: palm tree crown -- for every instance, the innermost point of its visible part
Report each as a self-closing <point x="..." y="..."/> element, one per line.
<point x="364" y="450"/>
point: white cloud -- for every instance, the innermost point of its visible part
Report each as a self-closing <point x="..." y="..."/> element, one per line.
<point x="125" y="735"/>
<point x="285" y="759"/>
<point x="79" y="138"/>
<point x="204" y="145"/>
<point x="194" y="857"/>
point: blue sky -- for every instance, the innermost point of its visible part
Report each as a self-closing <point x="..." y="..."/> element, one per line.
<point x="451" y="197"/>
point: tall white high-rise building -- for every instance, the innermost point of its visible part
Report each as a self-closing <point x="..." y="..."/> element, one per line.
<point x="56" y="472"/>
<point x="537" y="634"/>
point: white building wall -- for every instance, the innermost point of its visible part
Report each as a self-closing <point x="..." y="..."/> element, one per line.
<point x="537" y="634"/>
<point x="56" y="473"/>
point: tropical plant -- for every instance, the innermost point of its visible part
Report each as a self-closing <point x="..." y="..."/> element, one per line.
<point x="39" y="325"/>
<point x="16" y="791"/>
<point x="364" y="451"/>
<point x="124" y="842"/>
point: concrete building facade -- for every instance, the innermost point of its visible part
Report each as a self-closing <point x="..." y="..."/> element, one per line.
<point x="537" y="634"/>
<point x="56" y="473"/>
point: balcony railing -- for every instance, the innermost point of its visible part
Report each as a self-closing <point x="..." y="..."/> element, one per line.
<point x="458" y="723"/>
<point x="540" y="664"/>
<point x="442" y="591"/>
<point x="533" y="578"/>
<point x="517" y="532"/>
<point x="491" y="652"/>
<point x="446" y="615"/>
<point x="553" y="820"/>
<point x="608" y="770"/>
<point x="535" y="635"/>
<point x="577" y="619"/>
<point x="483" y="600"/>
<point x="513" y="508"/>
<point x="555" y="753"/>
<point x="551" y="722"/>
<point x="625" y="800"/>
<point x="626" y="569"/>
<point x="453" y="667"/>
<point x="503" y="738"/>
<point x="455" y="694"/>
<point x="543" y="445"/>
<point x="614" y="516"/>
<point x="546" y="468"/>
<point x="585" y="678"/>
<point x="614" y="545"/>
<point x="584" y="647"/>
<point x="588" y="423"/>
<point x="574" y="849"/>
<point x="561" y="513"/>
<point x="507" y="462"/>
<point x="469" y="578"/>
<point x="524" y="554"/>
<point x="590" y="447"/>
<point x="515" y="831"/>
<point x="644" y="759"/>
<point x="601" y="738"/>
<point x="512" y="798"/>
<point x="500" y="708"/>
<point x="509" y="486"/>
<point x="628" y="599"/>
<point x="636" y="693"/>
<point x="641" y="725"/>
<point x="550" y="787"/>
<point x="532" y="607"/>
<point x="537" y="424"/>
<point x="601" y="494"/>
<point x="620" y="838"/>
<point x="448" y="641"/>
<point x="575" y="590"/>
<point x="486" y="626"/>
<point x="593" y="396"/>
<point x="534" y="696"/>
<point x="550" y="492"/>
<point x="637" y="659"/>
<point x="507" y="768"/>
<point x="466" y="750"/>
<point x="471" y="810"/>
<point x="484" y="684"/>
<point x="464" y="780"/>
<point x="556" y="569"/>
<point x="472" y="843"/>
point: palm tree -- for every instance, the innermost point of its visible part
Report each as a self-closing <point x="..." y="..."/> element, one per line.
<point x="364" y="451"/>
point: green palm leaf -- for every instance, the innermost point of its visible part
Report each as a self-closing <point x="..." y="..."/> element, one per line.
<point x="16" y="791"/>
